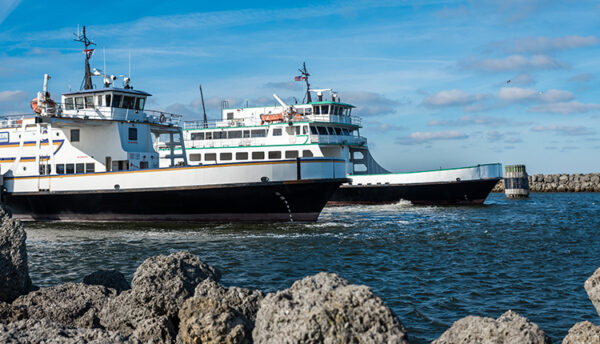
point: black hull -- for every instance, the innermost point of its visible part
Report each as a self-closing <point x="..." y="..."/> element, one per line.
<point x="261" y="202"/>
<point x="442" y="193"/>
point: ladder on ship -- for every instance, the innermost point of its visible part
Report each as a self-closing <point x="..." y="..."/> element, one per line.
<point x="173" y="144"/>
<point x="45" y="154"/>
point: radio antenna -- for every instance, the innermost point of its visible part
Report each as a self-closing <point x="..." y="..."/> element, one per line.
<point x="203" y="108"/>
<point x="88" y="52"/>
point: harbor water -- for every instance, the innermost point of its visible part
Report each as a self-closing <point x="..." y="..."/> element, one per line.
<point x="431" y="265"/>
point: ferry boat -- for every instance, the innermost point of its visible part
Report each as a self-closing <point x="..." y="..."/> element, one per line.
<point x="91" y="156"/>
<point x="327" y="128"/>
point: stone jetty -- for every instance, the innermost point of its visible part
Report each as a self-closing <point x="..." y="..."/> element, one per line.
<point x="177" y="298"/>
<point x="560" y="183"/>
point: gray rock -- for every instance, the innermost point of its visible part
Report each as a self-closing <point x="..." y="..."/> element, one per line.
<point x="108" y="278"/>
<point x="14" y="275"/>
<point x="158" y="330"/>
<point x="160" y="286"/>
<point x="583" y="333"/>
<point x="10" y="313"/>
<point x="508" y="328"/>
<point x="71" y="304"/>
<point x="325" y="308"/>
<point x="32" y="331"/>
<point x="592" y="287"/>
<point x="219" y="315"/>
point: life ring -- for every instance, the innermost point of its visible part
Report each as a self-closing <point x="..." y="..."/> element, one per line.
<point x="37" y="109"/>
<point x="162" y="118"/>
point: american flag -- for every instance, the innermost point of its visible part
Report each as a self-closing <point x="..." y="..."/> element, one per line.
<point x="299" y="78"/>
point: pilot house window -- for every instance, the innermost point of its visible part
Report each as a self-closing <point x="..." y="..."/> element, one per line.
<point x="74" y="135"/>
<point x="132" y="134"/>
<point x="69" y="104"/>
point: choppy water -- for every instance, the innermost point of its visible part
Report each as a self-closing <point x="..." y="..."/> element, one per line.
<point x="431" y="265"/>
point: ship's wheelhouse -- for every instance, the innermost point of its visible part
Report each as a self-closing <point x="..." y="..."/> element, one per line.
<point x="108" y="103"/>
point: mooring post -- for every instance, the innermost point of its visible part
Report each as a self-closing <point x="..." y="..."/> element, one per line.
<point x="516" y="182"/>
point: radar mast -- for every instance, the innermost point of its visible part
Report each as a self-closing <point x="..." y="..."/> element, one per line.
<point x="305" y="75"/>
<point x="87" y="78"/>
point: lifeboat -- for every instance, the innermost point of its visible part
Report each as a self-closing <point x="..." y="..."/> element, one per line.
<point x="37" y="109"/>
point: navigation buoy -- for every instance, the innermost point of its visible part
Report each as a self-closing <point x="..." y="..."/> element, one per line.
<point x="516" y="182"/>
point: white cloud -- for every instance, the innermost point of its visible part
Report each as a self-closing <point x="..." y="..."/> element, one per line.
<point x="516" y="62"/>
<point x="449" y="98"/>
<point x="584" y="77"/>
<point x="516" y="94"/>
<point x="12" y="96"/>
<point x="370" y="103"/>
<point x="564" y="129"/>
<point x="494" y="136"/>
<point x="565" y="107"/>
<point x="423" y="137"/>
<point x="547" y="44"/>
<point x="469" y="120"/>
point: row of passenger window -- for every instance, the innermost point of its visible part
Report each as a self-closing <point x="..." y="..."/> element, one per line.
<point x="238" y="134"/>
<point x="68" y="168"/>
<point x="118" y="101"/>
<point x="226" y="156"/>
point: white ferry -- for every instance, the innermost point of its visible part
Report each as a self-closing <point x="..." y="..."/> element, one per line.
<point x="91" y="156"/>
<point x="327" y="128"/>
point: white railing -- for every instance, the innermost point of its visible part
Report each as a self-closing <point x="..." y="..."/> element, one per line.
<point x="338" y="139"/>
<point x="336" y="119"/>
<point x="199" y="124"/>
<point x="13" y="121"/>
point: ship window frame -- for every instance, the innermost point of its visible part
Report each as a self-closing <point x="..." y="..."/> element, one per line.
<point x="196" y="157"/>
<point x="322" y="130"/>
<point x="132" y="134"/>
<point x="296" y="130"/>
<point x="210" y="157"/>
<point x="99" y="100"/>
<point x="313" y="130"/>
<point x="79" y="103"/>
<point x="304" y="129"/>
<point x="70" y="168"/>
<point x="258" y="155"/>
<point x="317" y="110"/>
<point x="108" y="99"/>
<point x="226" y="156"/>
<point x="79" y="167"/>
<point x="234" y="134"/>
<point x="75" y="135"/>
<point x="60" y="168"/>
<point x="140" y="102"/>
<point x="208" y="135"/>
<point x="128" y="102"/>
<point x="307" y="153"/>
<point x="260" y="132"/>
<point x="331" y="131"/>
<point x="241" y="156"/>
<point x="325" y="110"/>
<point x="230" y="115"/>
<point x="246" y="134"/>
<point x="338" y="131"/>
<point x="345" y="132"/>
<point x="90" y="167"/>
<point x="277" y="132"/>
<point x="89" y="102"/>
<point x="197" y="136"/>
<point x="117" y="100"/>
<point x="69" y="103"/>
<point x="292" y="154"/>
<point x="274" y="155"/>
<point x="218" y="135"/>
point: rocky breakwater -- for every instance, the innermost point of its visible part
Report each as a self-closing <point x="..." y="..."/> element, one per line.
<point x="560" y="183"/>
<point x="177" y="298"/>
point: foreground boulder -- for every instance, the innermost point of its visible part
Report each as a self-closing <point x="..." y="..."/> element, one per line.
<point x="583" y="333"/>
<point x="44" y="331"/>
<point x="508" y="328"/>
<point x="108" y="278"/>
<point x="10" y="313"/>
<point x="219" y="315"/>
<point x="70" y="304"/>
<point x="159" y="287"/>
<point x="592" y="287"/>
<point x="14" y="275"/>
<point x="326" y="308"/>
<point x="155" y="330"/>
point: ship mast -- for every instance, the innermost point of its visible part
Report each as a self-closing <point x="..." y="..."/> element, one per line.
<point x="87" y="78"/>
<point x="305" y="74"/>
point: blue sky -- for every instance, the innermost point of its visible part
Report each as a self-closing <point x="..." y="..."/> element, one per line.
<point x="429" y="78"/>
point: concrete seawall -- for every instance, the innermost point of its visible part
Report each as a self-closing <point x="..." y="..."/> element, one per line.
<point x="560" y="183"/>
